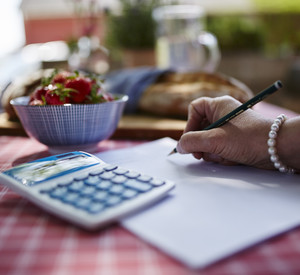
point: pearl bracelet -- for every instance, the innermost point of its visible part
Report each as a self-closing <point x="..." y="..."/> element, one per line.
<point x="272" y="142"/>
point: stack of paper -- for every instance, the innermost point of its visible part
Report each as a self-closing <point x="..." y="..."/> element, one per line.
<point x="215" y="210"/>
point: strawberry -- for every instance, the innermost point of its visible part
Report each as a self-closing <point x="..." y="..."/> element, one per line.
<point x="36" y="102"/>
<point x="108" y="97"/>
<point x="80" y="87"/>
<point x="56" y="96"/>
<point x="61" y="77"/>
<point x="38" y="95"/>
<point x="66" y="87"/>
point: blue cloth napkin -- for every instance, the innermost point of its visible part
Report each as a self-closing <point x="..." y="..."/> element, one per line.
<point x="132" y="82"/>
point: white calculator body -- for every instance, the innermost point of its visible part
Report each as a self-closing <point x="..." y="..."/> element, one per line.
<point x="83" y="189"/>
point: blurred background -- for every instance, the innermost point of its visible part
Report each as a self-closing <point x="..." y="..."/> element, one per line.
<point x="259" y="40"/>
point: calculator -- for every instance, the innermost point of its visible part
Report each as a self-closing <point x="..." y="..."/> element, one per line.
<point x="83" y="189"/>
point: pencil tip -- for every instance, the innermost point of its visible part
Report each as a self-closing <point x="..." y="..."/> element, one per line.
<point x="172" y="152"/>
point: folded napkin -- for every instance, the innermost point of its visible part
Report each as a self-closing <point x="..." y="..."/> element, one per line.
<point x="132" y="82"/>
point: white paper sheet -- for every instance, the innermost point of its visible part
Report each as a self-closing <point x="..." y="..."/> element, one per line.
<point x="214" y="211"/>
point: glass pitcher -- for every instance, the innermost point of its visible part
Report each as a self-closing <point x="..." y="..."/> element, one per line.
<point x="182" y="43"/>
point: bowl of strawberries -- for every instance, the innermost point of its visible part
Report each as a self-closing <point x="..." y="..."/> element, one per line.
<point x="70" y="109"/>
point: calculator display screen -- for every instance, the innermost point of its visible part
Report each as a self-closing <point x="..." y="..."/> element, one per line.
<point x="48" y="168"/>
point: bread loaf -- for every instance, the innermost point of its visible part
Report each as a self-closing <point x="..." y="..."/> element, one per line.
<point x="171" y="94"/>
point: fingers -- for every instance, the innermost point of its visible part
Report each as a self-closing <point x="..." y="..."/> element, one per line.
<point x="197" y="114"/>
<point x="207" y="145"/>
<point x="203" y="111"/>
<point x="201" y="142"/>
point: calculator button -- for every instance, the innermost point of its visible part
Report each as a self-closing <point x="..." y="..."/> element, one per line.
<point x="62" y="184"/>
<point x="117" y="189"/>
<point x="58" y="192"/>
<point x="96" y="172"/>
<point x="71" y="197"/>
<point x="113" y="200"/>
<point x="105" y="184"/>
<point x="120" y="171"/>
<point x="119" y="179"/>
<point x="144" y="178"/>
<point x="100" y="195"/>
<point x="95" y="207"/>
<point x="137" y="185"/>
<point x="110" y="167"/>
<point x="157" y="182"/>
<point x="92" y="180"/>
<point x="45" y="191"/>
<point x="129" y="193"/>
<point x="87" y="190"/>
<point x="76" y="185"/>
<point x="82" y="176"/>
<point x="107" y="175"/>
<point x="132" y="174"/>
<point x="83" y="202"/>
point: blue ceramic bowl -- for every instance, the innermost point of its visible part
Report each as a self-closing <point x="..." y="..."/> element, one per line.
<point x="70" y="124"/>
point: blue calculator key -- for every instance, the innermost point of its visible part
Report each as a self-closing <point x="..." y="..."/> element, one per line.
<point x="45" y="191"/>
<point x="132" y="174"/>
<point x="120" y="171"/>
<point x="144" y="178"/>
<point x="107" y="175"/>
<point x="110" y="167"/>
<point x="117" y="189"/>
<point x="58" y="192"/>
<point x="138" y="185"/>
<point x="88" y="190"/>
<point x="92" y="180"/>
<point x="96" y="172"/>
<point x="119" y="179"/>
<point x="76" y="185"/>
<point x="100" y="195"/>
<point x="83" y="202"/>
<point x="96" y="207"/>
<point x="70" y="197"/>
<point x="105" y="184"/>
<point x="157" y="182"/>
<point x="113" y="200"/>
<point x="129" y="194"/>
<point x="83" y="176"/>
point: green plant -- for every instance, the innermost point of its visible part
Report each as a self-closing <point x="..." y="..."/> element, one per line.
<point x="277" y="6"/>
<point x="134" y="28"/>
<point x="236" y="32"/>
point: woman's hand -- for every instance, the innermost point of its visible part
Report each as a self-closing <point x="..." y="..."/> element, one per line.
<point x="242" y="140"/>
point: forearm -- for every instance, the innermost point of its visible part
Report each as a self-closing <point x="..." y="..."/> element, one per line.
<point x="288" y="143"/>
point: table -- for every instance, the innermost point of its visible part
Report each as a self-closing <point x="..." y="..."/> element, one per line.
<point x="35" y="242"/>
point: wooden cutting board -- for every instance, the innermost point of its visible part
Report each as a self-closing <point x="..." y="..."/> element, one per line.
<point x="137" y="127"/>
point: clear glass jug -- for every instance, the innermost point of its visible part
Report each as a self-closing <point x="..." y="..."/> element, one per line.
<point x="182" y="43"/>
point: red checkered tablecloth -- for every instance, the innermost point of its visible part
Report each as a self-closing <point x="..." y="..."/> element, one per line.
<point x="35" y="242"/>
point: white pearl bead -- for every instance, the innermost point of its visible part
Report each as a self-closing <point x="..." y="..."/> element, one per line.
<point x="274" y="158"/>
<point x="272" y="150"/>
<point x="277" y="121"/>
<point x="291" y="170"/>
<point x="271" y="142"/>
<point x="272" y="134"/>
<point x="283" y="169"/>
<point x="275" y="127"/>
<point x="277" y="164"/>
<point x="282" y="117"/>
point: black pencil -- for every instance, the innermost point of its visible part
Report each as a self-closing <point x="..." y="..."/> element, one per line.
<point x="251" y="102"/>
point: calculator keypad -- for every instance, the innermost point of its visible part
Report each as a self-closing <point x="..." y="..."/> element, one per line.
<point x="102" y="188"/>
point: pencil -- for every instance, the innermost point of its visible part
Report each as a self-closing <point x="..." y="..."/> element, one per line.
<point x="250" y="103"/>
